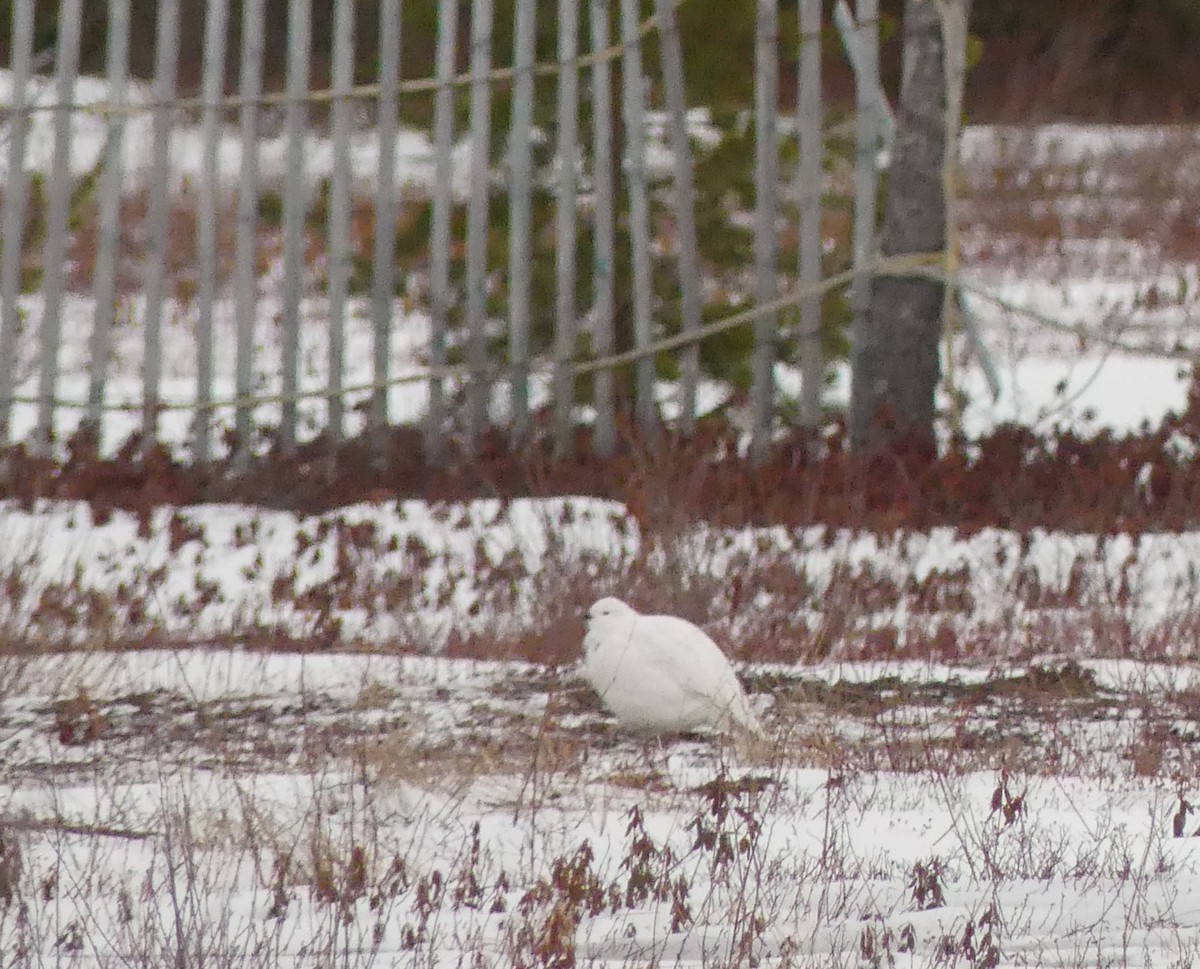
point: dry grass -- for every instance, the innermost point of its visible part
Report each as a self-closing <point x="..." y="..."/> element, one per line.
<point x="383" y="822"/>
<point x="422" y="825"/>
<point x="1038" y="209"/>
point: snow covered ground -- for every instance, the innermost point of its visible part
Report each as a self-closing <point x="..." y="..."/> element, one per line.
<point x="1020" y="800"/>
<point x="1016" y="790"/>
<point x="369" y="810"/>
<point x="414" y="577"/>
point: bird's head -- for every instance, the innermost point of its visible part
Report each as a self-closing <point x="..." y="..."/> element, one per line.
<point x="607" y="608"/>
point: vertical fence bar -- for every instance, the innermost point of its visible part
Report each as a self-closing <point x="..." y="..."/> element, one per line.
<point x="602" y="177"/>
<point x="339" y="211"/>
<point x="639" y="209"/>
<point x="383" y="284"/>
<point x="847" y="29"/>
<point x="166" y="56"/>
<point x="685" y="201"/>
<point x="295" y="206"/>
<point x="212" y="87"/>
<point x="866" y="84"/>
<point x="954" y="66"/>
<point x="477" y="222"/>
<point x="766" y="176"/>
<point x="520" y="163"/>
<point x="808" y="195"/>
<point x="104" y="276"/>
<point x="246" y="242"/>
<point x="443" y="142"/>
<point x="66" y="68"/>
<point x="12" y="216"/>
<point x="564" y="223"/>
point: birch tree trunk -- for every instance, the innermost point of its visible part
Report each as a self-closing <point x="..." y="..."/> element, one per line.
<point x="898" y="366"/>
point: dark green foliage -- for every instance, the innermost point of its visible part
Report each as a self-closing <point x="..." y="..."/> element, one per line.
<point x="36" y="202"/>
<point x="270" y="209"/>
<point x="362" y="271"/>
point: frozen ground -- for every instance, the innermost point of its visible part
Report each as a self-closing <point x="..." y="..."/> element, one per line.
<point x="416" y="577"/>
<point x="369" y="810"/>
<point x="1016" y="793"/>
<point x="982" y="749"/>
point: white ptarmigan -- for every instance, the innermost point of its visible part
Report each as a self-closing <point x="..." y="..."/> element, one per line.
<point x="661" y="674"/>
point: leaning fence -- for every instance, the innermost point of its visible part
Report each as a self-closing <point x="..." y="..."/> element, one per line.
<point x="299" y="320"/>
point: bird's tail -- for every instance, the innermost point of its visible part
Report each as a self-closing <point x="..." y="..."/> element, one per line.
<point x="743" y="717"/>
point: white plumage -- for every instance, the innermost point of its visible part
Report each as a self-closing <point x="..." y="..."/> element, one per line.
<point x="658" y="674"/>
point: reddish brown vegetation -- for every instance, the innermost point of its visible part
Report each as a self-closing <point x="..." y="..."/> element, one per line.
<point x="1014" y="478"/>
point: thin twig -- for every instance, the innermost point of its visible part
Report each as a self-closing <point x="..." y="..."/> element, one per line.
<point x="66" y="827"/>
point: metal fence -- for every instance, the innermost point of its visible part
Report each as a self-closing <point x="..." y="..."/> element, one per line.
<point x="238" y="364"/>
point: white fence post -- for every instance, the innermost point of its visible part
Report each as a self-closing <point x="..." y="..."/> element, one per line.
<point x="443" y="144"/>
<point x="340" y="202"/>
<point x="685" y="201"/>
<point x="216" y="23"/>
<point x="166" y="56"/>
<point x="12" y="216"/>
<point x="383" y="290"/>
<point x="564" y="225"/>
<point x="58" y="190"/>
<point x="866" y="174"/>
<point x="520" y="163"/>
<point x="639" y="212"/>
<point x="766" y="176"/>
<point x="808" y="196"/>
<point x="246" y="243"/>
<point x="852" y="41"/>
<point x="479" y="388"/>
<point x="104" y="276"/>
<point x="295" y="206"/>
<point x="602" y="270"/>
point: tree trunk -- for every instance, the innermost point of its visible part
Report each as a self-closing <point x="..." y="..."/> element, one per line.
<point x="898" y="365"/>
